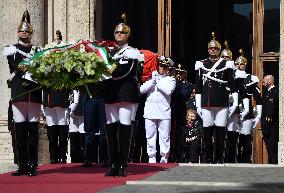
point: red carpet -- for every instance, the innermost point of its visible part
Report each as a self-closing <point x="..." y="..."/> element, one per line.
<point x="72" y="178"/>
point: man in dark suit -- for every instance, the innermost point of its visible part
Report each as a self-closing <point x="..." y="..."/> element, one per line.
<point x="269" y="119"/>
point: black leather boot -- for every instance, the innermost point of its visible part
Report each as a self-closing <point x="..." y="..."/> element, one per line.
<point x="32" y="170"/>
<point x="63" y="142"/>
<point x="113" y="170"/>
<point x="219" y="144"/>
<point x="33" y="140"/>
<point x="112" y="142"/>
<point x="125" y="136"/>
<point x="21" y="132"/>
<point x="75" y="151"/>
<point x="103" y="151"/>
<point x="133" y="141"/>
<point x="122" y="170"/>
<point x="52" y="134"/>
<point x="22" y="170"/>
<point x="232" y="146"/>
<point x="208" y="145"/>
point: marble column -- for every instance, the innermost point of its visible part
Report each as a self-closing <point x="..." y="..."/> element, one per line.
<point x="75" y="19"/>
<point x="11" y="12"/>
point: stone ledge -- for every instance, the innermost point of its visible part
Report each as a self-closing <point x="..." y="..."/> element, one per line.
<point x="281" y="153"/>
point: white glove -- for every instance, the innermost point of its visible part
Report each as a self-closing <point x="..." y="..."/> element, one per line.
<point x="73" y="106"/>
<point x="9" y="50"/>
<point x="198" y="104"/>
<point x="155" y="76"/>
<point x="233" y="108"/>
<point x="258" y="117"/>
<point x="246" y="108"/>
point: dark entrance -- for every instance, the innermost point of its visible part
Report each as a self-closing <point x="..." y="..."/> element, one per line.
<point x="192" y="26"/>
<point x="141" y="17"/>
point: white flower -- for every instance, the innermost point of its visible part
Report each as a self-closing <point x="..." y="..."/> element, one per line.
<point x="82" y="48"/>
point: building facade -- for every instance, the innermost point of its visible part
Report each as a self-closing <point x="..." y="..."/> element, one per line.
<point x="168" y="27"/>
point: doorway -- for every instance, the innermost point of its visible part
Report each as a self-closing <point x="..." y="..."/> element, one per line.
<point x="192" y="26"/>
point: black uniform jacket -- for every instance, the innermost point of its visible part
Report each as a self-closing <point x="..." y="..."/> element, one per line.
<point x="121" y="88"/>
<point x="269" y="118"/>
<point x="252" y="92"/>
<point x="180" y="96"/>
<point x="52" y="98"/>
<point x="214" y="93"/>
<point x="17" y="83"/>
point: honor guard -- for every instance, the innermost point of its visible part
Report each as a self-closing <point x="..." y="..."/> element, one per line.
<point x="180" y="96"/>
<point x="157" y="110"/>
<point x="247" y="119"/>
<point x="269" y="120"/>
<point x="76" y="127"/>
<point x="26" y="104"/>
<point x="121" y="97"/>
<point x="55" y="104"/>
<point x="214" y="76"/>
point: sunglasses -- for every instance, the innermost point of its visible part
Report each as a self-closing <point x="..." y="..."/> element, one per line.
<point x="120" y="32"/>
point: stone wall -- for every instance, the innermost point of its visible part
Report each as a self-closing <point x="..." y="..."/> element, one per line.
<point x="6" y="150"/>
<point x="75" y="19"/>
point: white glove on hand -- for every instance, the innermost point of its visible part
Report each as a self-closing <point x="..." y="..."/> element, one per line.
<point x="155" y="76"/>
<point x="233" y="108"/>
<point x="198" y="104"/>
<point x="10" y="50"/>
<point x="255" y="122"/>
<point x="258" y="117"/>
<point x="246" y="108"/>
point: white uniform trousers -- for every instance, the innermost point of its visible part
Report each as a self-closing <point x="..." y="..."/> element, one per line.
<point x="215" y="116"/>
<point x="234" y="123"/>
<point x="26" y="111"/>
<point x="164" y="128"/>
<point x="56" y="116"/>
<point x="122" y="112"/>
<point x="76" y="124"/>
<point x="246" y="126"/>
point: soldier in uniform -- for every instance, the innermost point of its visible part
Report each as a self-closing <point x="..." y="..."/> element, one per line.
<point x="234" y="120"/>
<point x="247" y="120"/>
<point x="180" y="96"/>
<point x="214" y="76"/>
<point x="269" y="120"/>
<point x="26" y="104"/>
<point x="121" y="97"/>
<point x="56" y="104"/>
<point x="157" y="110"/>
<point x="76" y="128"/>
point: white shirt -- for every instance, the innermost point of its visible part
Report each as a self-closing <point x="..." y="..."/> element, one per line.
<point x="159" y="90"/>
